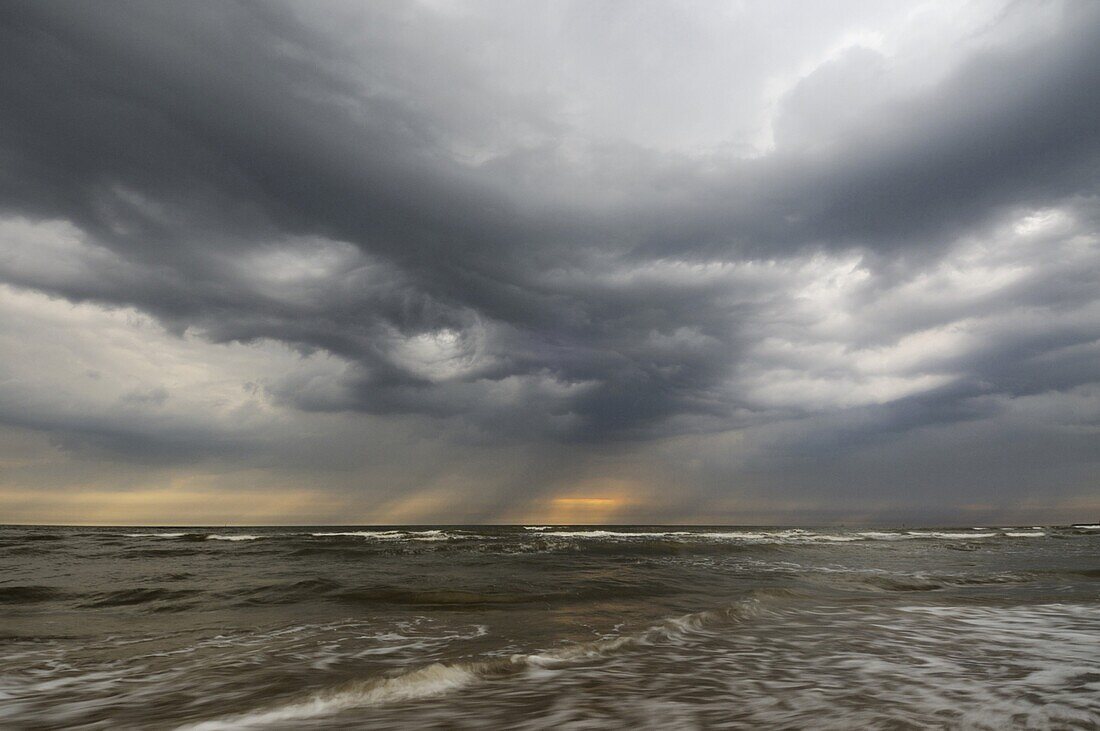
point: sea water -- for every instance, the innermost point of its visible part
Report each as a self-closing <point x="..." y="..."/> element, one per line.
<point x="546" y="627"/>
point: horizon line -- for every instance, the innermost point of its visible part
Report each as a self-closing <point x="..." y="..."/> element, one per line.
<point x="1037" y="524"/>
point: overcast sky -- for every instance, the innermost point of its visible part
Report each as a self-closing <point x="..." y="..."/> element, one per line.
<point x="726" y="262"/>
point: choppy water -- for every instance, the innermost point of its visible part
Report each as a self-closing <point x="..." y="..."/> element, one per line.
<point x="549" y="627"/>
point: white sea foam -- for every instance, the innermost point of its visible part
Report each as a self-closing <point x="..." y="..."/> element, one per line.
<point x="426" y="682"/>
<point x="388" y="535"/>
<point x="1086" y="526"/>
<point x="213" y="537"/>
<point x="438" y="678"/>
<point x="949" y="535"/>
<point x="378" y="534"/>
<point x="794" y="535"/>
<point x="788" y="536"/>
<point x="777" y="536"/>
<point x="610" y="534"/>
<point x="683" y="534"/>
<point x="791" y="535"/>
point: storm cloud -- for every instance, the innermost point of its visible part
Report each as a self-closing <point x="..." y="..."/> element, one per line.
<point x="846" y="255"/>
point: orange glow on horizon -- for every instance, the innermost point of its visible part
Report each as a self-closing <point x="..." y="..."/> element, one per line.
<point x="583" y="509"/>
<point x="591" y="502"/>
<point x="178" y="505"/>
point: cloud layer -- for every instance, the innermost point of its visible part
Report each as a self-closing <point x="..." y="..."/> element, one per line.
<point x="832" y="258"/>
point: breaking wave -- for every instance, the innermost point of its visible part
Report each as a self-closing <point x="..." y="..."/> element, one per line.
<point x="388" y="535"/>
<point x="510" y="626"/>
<point x="199" y="536"/>
<point x="439" y="678"/>
<point x="551" y="538"/>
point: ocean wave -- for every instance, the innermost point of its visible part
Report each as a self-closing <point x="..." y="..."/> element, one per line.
<point x="29" y="594"/>
<point x="335" y="591"/>
<point x="613" y="534"/>
<point x="785" y="536"/>
<point x="140" y="553"/>
<point x="195" y="536"/>
<point x="664" y="547"/>
<point x="439" y="678"/>
<point x="433" y="680"/>
<point x="537" y="538"/>
<point x="288" y="593"/>
<point x="438" y="597"/>
<point x="793" y="535"/>
<point x="130" y="597"/>
<point x="191" y="536"/>
<point x="330" y="590"/>
<point x="952" y="535"/>
<point x="921" y="581"/>
<point x="388" y="535"/>
<point x="1088" y="573"/>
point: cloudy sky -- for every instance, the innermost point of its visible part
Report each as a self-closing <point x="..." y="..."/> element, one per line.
<point x="593" y="261"/>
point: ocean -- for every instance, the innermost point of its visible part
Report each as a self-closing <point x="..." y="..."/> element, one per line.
<point x="548" y="627"/>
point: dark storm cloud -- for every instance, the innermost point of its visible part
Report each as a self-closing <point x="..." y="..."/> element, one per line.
<point x="208" y="154"/>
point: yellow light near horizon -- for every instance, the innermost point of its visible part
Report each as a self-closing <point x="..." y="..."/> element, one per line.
<point x="165" y="506"/>
<point x="592" y="502"/>
<point x="583" y="509"/>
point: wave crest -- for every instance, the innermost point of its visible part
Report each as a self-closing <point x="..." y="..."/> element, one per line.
<point x="438" y="678"/>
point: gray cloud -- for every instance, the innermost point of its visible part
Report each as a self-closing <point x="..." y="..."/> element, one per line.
<point x="437" y="201"/>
